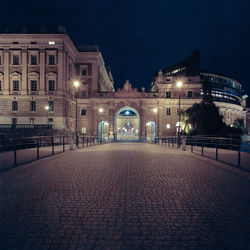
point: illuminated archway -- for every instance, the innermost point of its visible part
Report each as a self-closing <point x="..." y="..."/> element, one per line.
<point x="103" y="131"/>
<point x="127" y="124"/>
<point x="151" y="131"/>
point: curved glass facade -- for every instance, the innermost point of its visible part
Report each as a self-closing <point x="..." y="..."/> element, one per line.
<point x="223" y="89"/>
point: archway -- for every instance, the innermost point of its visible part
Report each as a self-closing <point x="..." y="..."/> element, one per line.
<point x="127" y="124"/>
<point x="103" y="131"/>
<point x="150" y="131"/>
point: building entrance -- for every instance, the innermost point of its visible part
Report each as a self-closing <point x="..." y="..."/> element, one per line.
<point x="127" y="125"/>
<point x="103" y="131"/>
<point x="151" y="131"/>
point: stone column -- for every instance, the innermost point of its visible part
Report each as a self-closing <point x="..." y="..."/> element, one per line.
<point x="6" y="83"/>
<point x="24" y="89"/>
<point x="42" y="71"/>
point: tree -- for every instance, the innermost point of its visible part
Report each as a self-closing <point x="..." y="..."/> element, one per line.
<point x="239" y="124"/>
<point x="207" y="90"/>
<point x="205" y="119"/>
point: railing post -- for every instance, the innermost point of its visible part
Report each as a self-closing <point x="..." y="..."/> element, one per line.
<point x="202" y="148"/>
<point x="63" y="144"/>
<point x="52" y="144"/>
<point x="216" y="146"/>
<point x="15" y="161"/>
<point x="239" y="157"/>
<point x="37" y="148"/>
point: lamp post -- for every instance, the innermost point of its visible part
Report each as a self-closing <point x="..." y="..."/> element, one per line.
<point x="76" y="84"/>
<point x="179" y="85"/>
<point x="155" y="110"/>
<point x="46" y="110"/>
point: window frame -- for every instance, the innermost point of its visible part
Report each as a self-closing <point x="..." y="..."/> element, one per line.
<point x="168" y="94"/>
<point x="32" y="105"/>
<point x="14" y="105"/>
<point x="15" y="83"/>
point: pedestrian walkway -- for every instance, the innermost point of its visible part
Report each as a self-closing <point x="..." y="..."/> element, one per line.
<point x="125" y="196"/>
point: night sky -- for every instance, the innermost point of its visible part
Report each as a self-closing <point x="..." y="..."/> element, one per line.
<point x="137" y="38"/>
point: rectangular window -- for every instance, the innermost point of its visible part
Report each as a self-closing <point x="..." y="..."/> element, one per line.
<point x="190" y="94"/>
<point x="168" y="111"/>
<point x="168" y="126"/>
<point x="14" y="121"/>
<point x="51" y="59"/>
<point x="0" y="60"/>
<point x="33" y="60"/>
<point x="84" y="72"/>
<point x="51" y="85"/>
<point x="83" y="130"/>
<point x="15" y="85"/>
<point x="32" y="106"/>
<point x="32" y="120"/>
<point x="33" y="85"/>
<point x="83" y="95"/>
<point x="14" y="105"/>
<point x="84" y="112"/>
<point x="50" y="121"/>
<point x="51" y="106"/>
<point x="15" y="59"/>
<point x="168" y="94"/>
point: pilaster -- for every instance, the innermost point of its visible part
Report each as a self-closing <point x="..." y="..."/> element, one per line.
<point x="6" y="82"/>
<point x="60" y="72"/>
<point x="24" y="88"/>
<point x="42" y="71"/>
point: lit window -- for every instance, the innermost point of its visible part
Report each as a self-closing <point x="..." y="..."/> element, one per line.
<point x="83" y="130"/>
<point x="15" y="59"/>
<point x="33" y="60"/>
<point x="51" y="42"/>
<point x="168" y="94"/>
<point x="51" y="106"/>
<point x="84" y="112"/>
<point x="32" y="120"/>
<point x="168" y="126"/>
<point x="168" y="111"/>
<point x="14" y="105"/>
<point x="51" y="85"/>
<point x="51" y="59"/>
<point x="32" y="106"/>
<point x="15" y="85"/>
<point x="33" y="85"/>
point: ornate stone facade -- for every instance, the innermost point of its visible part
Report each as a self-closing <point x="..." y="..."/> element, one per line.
<point x="38" y="70"/>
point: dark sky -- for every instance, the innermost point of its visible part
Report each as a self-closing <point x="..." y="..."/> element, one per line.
<point x="139" y="37"/>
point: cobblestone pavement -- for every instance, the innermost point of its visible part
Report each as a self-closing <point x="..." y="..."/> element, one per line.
<point x="124" y="196"/>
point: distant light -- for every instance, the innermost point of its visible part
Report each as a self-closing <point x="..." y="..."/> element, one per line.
<point x="106" y="123"/>
<point x="76" y="84"/>
<point x="179" y="84"/>
<point x="231" y="125"/>
<point x="46" y="107"/>
<point x="148" y="123"/>
<point x="51" y="42"/>
<point x="155" y="110"/>
<point x="168" y="126"/>
<point x="127" y="112"/>
<point x="100" y="110"/>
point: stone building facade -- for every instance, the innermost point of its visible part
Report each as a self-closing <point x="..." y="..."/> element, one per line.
<point x="38" y="71"/>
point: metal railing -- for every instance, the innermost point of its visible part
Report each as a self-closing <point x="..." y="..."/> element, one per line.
<point x="17" y="151"/>
<point x="218" y="148"/>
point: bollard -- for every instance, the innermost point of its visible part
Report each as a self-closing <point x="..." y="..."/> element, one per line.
<point x="52" y="144"/>
<point x="216" y="146"/>
<point x="15" y="161"/>
<point x="183" y="143"/>
<point x="37" y="148"/>
<point x="71" y="143"/>
<point x="87" y="141"/>
<point x="239" y="157"/>
<point x="63" y="144"/>
<point x="202" y="149"/>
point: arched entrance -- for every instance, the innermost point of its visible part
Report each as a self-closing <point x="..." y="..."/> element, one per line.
<point x="103" y="131"/>
<point x="127" y="125"/>
<point x="150" y="131"/>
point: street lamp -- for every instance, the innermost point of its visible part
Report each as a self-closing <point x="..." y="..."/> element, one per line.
<point x="46" y="110"/>
<point x="179" y="85"/>
<point x="76" y="84"/>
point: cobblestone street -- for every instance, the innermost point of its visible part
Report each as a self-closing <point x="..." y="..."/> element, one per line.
<point x="125" y="196"/>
